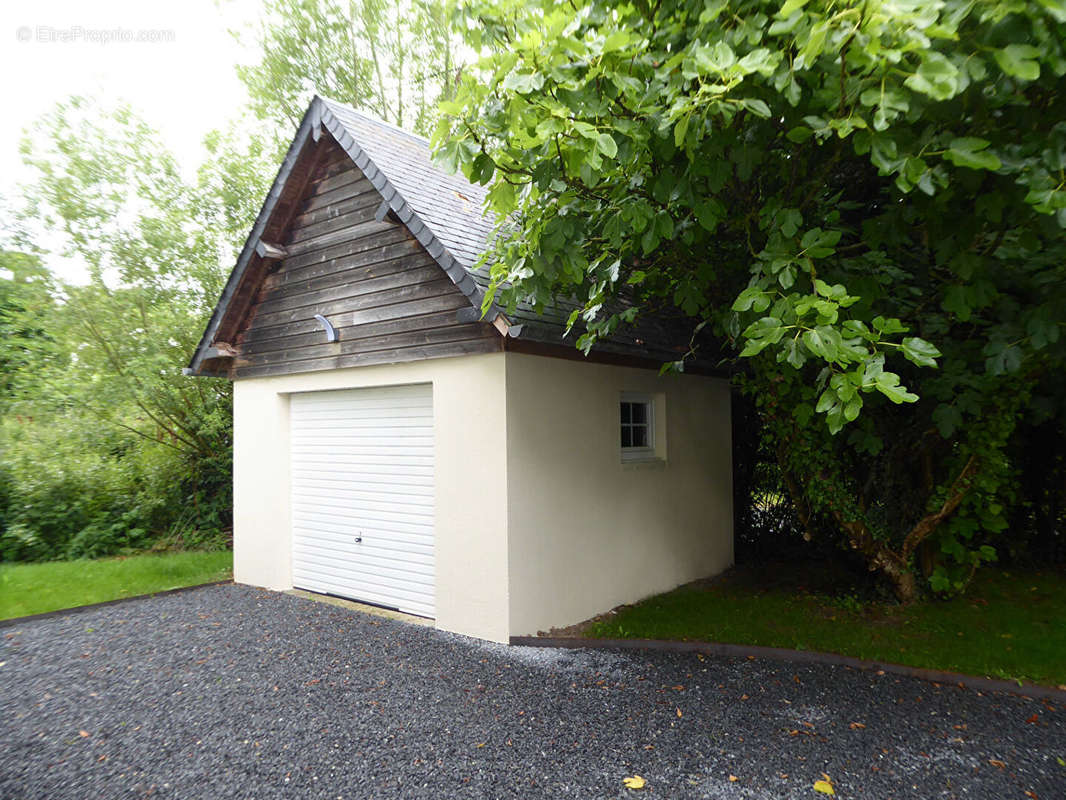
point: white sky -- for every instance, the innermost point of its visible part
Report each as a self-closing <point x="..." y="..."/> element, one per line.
<point x="183" y="86"/>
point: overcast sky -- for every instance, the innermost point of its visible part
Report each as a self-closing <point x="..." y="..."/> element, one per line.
<point x="183" y="83"/>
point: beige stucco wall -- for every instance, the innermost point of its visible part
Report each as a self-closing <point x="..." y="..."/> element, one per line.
<point x="539" y="523"/>
<point x="587" y="532"/>
<point x="469" y="410"/>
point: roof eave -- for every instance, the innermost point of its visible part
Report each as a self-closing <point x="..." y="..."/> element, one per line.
<point x="307" y="126"/>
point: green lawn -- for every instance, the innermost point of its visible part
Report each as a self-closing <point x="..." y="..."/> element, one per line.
<point x="1008" y="625"/>
<point x="36" y="588"/>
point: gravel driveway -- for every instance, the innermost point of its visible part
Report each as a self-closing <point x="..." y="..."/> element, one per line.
<point x="230" y="691"/>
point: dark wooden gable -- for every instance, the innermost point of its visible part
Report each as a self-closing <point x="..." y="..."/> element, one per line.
<point x="358" y="267"/>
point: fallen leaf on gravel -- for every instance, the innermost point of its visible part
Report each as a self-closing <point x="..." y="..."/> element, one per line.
<point x="83" y="734"/>
<point x="856" y="725"/>
<point x="733" y="779"/>
<point x="825" y="787"/>
<point x="636" y="782"/>
<point x="1031" y="795"/>
<point x="743" y="697"/>
<point x="995" y="762"/>
<point x="1033" y="719"/>
<point x="480" y="745"/>
<point x="679" y="712"/>
<point x="1061" y="760"/>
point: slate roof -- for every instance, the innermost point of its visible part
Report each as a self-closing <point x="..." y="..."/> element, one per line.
<point x="445" y="212"/>
<point x="453" y="208"/>
<point x="449" y="204"/>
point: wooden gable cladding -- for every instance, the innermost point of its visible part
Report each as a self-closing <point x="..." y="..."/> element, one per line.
<point x="387" y="298"/>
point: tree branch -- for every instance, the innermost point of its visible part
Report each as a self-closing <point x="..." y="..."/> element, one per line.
<point x="956" y="494"/>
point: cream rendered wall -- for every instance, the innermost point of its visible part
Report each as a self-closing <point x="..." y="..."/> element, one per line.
<point x="587" y="532"/>
<point x="469" y="412"/>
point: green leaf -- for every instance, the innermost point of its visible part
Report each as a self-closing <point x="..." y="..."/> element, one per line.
<point x="821" y="342"/>
<point x="717" y="58"/>
<point x="746" y="299"/>
<point x="709" y="213"/>
<point x="790" y="7"/>
<point x="681" y="130"/>
<point x="814" y="44"/>
<point x="936" y="77"/>
<point x="947" y="419"/>
<point x="760" y="60"/>
<point x="756" y="107"/>
<point x="1019" y="61"/>
<point x="827" y="400"/>
<point x="920" y="352"/>
<point x="523" y="82"/>
<point x="888" y="326"/>
<point x="971" y="153"/>
<point x="888" y="385"/>
<point x="957" y="300"/>
<point x="606" y="144"/>
<point x="1002" y="358"/>
<point x="616" y="40"/>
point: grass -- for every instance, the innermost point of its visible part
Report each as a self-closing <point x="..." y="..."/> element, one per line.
<point x="36" y="588"/>
<point x="1008" y="624"/>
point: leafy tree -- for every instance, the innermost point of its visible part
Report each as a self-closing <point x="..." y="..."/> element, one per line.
<point x="110" y="444"/>
<point x="393" y="58"/>
<point x="865" y="201"/>
<point x="25" y="304"/>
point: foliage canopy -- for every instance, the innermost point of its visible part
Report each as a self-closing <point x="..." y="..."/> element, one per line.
<point x="393" y="58"/>
<point x="106" y="445"/>
<point x="865" y="200"/>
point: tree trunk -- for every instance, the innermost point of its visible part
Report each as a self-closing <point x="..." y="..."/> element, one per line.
<point x="904" y="584"/>
<point x="881" y="558"/>
<point x="895" y="566"/>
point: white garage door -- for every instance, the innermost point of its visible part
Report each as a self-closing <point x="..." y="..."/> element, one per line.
<point x="362" y="495"/>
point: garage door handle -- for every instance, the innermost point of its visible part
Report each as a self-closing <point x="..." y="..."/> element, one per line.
<point x="358" y="539"/>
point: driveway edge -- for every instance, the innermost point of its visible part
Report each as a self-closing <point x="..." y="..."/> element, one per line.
<point x="62" y="612"/>
<point x="957" y="679"/>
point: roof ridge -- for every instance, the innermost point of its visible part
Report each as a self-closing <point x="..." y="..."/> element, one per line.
<point x="374" y="119"/>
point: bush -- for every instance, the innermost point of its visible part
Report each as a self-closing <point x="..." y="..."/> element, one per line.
<point x="70" y="488"/>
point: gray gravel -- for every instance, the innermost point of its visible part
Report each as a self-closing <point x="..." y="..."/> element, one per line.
<point x="233" y="692"/>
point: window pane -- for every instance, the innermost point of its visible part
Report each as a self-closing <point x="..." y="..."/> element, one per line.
<point x="627" y="436"/>
<point x="626" y="411"/>
<point x="640" y="436"/>
<point x="640" y="412"/>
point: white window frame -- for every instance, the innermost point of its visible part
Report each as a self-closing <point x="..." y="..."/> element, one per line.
<point x="638" y="453"/>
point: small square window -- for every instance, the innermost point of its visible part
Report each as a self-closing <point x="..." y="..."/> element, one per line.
<point x="636" y="428"/>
